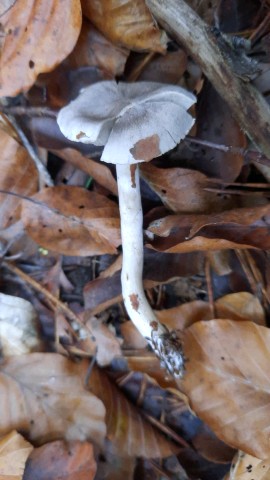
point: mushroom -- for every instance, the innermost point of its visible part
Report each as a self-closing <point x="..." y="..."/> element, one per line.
<point x="136" y="122"/>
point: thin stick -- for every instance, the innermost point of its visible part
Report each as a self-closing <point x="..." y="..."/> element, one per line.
<point x="44" y="176"/>
<point x="247" y="105"/>
<point x="54" y="301"/>
<point x="250" y="155"/>
<point x="28" y="110"/>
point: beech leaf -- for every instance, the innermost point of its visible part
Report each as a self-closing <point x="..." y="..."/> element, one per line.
<point x="62" y="461"/>
<point x="18" y="175"/>
<point x="227" y="381"/>
<point x="127" y="430"/>
<point x="72" y="221"/>
<point x="38" y="36"/>
<point x="14" y="451"/>
<point x="48" y="400"/>
<point x="247" y="467"/>
<point x="127" y="23"/>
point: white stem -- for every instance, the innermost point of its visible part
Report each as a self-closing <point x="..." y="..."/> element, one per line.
<point x="136" y="303"/>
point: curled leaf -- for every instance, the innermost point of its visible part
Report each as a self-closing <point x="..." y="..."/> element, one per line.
<point x="37" y="37"/>
<point x="72" y="221"/>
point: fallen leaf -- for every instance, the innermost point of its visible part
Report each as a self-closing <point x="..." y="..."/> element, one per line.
<point x="128" y="23"/>
<point x="107" y="344"/>
<point x="167" y="68"/>
<point x="61" y="461"/>
<point x="93" y="49"/>
<point x="18" y="326"/>
<point x="48" y="400"/>
<point x="98" y="170"/>
<point x="227" y="381"/>
<point x="247" y="467"/>
<point x="238" y="228"/>
<point x="182" y="189"/>
<point x="38" y="36"/>
<point x="128" y="432"/>
<point x="18" y="175"/>
<point x="14" y="451"/>
<point x="72" y="221"/>
<point x="240" y="306"/>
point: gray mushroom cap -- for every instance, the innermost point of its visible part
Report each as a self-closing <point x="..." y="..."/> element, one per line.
<point x="136" y="122"/>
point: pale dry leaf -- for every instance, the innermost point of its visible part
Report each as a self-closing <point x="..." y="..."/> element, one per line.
<point x="183" y="189"/>
<point x="14" y="451"/>
<point x="240" y="306"/>
<point x="97" y="170"/>
<point x="237" y="228"/>
<point x="18" y="326"/>
<point x="247" y="467"/>
<point x="227" y="381"/>
<point x="72" y="221"/>
<point x="48" y="400"/>
<point x="18" y="175"/>
<point x="127" y="23"/>
<point x="128" y="432"/>
<point x="94" y="50"/>
<point x="61" y="460"/>
<point x="37" y="37"/>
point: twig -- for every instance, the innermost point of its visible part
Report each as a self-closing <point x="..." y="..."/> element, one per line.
<point x="44" y="176"/>
<point x="249" y="155"/>
<point x="54" y="301"/>
<point x="28" y="110"/>
<point x="248" y="106"/>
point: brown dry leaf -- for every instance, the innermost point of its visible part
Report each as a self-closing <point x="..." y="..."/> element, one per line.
<point x="227" y="381"/>
<point x="247" y="467"/>
<point x="48" y="399"/>
<point x="98" y="170"/>
<point x="107" y="344"/>
<point x="93" y="49"/>
<point x="132" y="337"/>
<point x="182" y="189"/>
<point x="238" y="228"/>
<point x="18" y="175"/>
<point x="14" y="451"/>
<point x="72" y="221"/>
<point x="127" y="23"/>
<point x="128" y="432"/>
<point x="62" y="461"/>
<point x="240" y="306"/>
<point x="38" y="36"/>
<point x="182" y="316"/>
<point x="167" y="68"/>
<point x="18" y="326"/>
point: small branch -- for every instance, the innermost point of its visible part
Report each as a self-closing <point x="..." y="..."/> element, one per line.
<point x="247" y="105"/>
<point x="54" y="301"/>
<point x="28" y="110"/>
<point x="44" y="176"/>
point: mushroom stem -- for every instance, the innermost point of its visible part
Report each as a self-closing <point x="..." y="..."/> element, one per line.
<point x="165" y="344"/>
